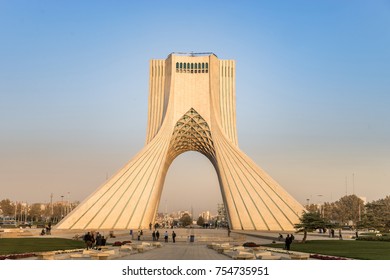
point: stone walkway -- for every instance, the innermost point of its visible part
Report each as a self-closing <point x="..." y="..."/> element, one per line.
<point x="177" y="251"/>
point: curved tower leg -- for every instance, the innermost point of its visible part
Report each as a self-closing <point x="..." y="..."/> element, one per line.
<point x="129" y="199"/>
<point x="253" y="199"/>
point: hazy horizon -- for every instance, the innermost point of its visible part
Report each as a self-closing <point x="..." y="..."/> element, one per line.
<point x="312" y="94"/>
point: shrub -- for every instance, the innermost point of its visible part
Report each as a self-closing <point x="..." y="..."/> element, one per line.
<point x="374" y="238"/>
<point x="250" y="244"/>
<point x="119" y="243"/>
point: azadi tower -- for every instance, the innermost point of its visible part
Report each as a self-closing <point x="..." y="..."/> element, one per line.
<point x="191" y="108"/>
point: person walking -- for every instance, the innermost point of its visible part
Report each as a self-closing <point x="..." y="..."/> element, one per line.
<point x="98" y="240"/>
<point x="166" y="237"/>
<point x="154" y="235"/>
<point x="88" y="240"/>
<point x="92" y="239"/>
<point x="157" y="235"/>
<point x="48" y="229"/>
<point x="173" y="236"/>
<point x="288" y="242"/>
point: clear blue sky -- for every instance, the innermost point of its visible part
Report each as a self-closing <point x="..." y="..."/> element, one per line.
<point x="313" y="93"/>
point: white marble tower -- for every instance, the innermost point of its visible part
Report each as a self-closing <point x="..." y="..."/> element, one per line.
<point x="191" y="108"/>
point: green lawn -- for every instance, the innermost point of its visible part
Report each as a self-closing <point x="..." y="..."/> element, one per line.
<point x="364" y="250"/>
<point x="27" y="245"/>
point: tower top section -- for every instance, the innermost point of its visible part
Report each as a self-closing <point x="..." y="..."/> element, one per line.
<point x="192" y="54"/>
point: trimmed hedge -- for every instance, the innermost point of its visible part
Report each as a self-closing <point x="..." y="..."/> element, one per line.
<point x="250" y="244"/>
<point x="374" y="238"/>
<point x="119" y="243"/>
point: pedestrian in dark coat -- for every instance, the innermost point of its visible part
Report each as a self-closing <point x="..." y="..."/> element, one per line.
<point x="154" y="235"/>
<point x="157" y="235"/>
<point x="88" y="240"/>
<point x="173" y="236"/>
<point x="288" y="242"/>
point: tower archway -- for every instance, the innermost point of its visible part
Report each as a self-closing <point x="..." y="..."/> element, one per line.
<point x="189" y="110"/>
<point x="191" y="184"/>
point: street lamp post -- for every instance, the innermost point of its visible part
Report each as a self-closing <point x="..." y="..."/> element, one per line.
<point x="320" y="203"/>
<point x="51" y="207"/>
<point x="68" y="205"/>
<point x="16" y="206"/>
<point x="62" y="206"/>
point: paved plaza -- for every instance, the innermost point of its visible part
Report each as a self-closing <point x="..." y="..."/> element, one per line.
<point x="198" y="250"/>
<point x="183" y="248"/>
<point x="177" y="251"/>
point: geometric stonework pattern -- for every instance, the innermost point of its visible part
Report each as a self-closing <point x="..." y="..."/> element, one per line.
<point x="192" y="133"/>
<point x="191" y="108"/>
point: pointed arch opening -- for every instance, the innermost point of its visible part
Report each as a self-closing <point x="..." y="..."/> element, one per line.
<point x="191" y="183"/>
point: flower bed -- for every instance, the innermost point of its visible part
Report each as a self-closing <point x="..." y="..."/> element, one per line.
<point x="250" y="244"/>
<point x="323" y="257"/>
<point x="17" y="256"/>
<point x="119" y="243"/>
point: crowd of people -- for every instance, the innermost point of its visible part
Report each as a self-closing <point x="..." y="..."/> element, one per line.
<point x="93" y="240"/>
<point x="155" y="235"/>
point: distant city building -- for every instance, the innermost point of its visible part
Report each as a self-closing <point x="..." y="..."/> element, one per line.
<point x="182" y="213"/>
<point x="221" y="219"/>
<point x="205" y="215"/>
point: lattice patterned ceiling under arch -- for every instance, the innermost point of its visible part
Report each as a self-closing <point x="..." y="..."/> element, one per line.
<point x="192" y="133"/>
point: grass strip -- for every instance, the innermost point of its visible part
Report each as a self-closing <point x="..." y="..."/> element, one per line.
<point x="363" y="250"/>
<point x="27" y="245"/>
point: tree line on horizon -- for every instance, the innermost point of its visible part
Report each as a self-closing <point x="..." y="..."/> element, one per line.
<point x="34" y="213"/>
<point x="349" y="210"/>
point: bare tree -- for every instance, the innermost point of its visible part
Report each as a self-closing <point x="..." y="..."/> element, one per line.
<point x="7" y="207"/>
